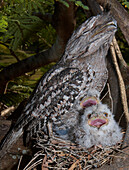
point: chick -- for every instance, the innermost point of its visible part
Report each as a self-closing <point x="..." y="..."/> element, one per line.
<point x="97" y="127"/>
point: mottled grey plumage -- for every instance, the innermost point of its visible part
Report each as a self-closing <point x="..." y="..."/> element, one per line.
<point x="81" y="68"/>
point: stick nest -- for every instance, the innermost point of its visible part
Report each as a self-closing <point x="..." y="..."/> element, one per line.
<point x="55" y="153"/>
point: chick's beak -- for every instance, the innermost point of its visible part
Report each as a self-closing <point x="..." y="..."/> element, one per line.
<point x="98" y="121"/>
<point x="89" y="101"/>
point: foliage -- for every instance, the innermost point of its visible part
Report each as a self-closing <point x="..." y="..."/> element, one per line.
<point x="125" y="3"/>
<point x="16" y="94"/>
<point x="47" y="67"/>
<point x="46" y="38"/>
<point x="77" y="3"/>
<point x="3" y="24"/>
<point x="13" y="98"/>
<point x="19" y="23"/>
<point x="21" y="28"/>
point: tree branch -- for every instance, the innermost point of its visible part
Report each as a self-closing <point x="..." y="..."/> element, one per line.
<point x="124" y="68"/>
<point x="17" y="69"/>
<point x="121" y="83"/>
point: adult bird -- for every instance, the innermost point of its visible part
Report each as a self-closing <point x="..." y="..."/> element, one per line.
<point x="81" y="68"/>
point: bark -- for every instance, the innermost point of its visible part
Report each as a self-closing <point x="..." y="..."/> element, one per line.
<point x="120" y="14"/>
<point x="124" y="68"/>
<point x="121" y="84"/>
<point x="64" y="20"/>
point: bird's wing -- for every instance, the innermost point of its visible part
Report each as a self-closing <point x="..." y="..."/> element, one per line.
<point x="54" y="96"/>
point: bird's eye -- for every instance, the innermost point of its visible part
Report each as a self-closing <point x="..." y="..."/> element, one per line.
<point x="89" y="116"/>
<point x="106" y="114"/>
<point x="81" y="98"/>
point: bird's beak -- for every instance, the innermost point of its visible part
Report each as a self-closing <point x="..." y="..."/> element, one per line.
<point x="112" y="25"/>
<point x="89" y="101"/>
<point x="98" y="121"/>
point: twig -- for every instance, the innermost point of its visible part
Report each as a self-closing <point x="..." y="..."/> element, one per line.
<point x="19" y="162"/>
<point x="49" y="126"/>
<point x="110" y="97"/>
<point x="32" y="160"/>
<point x="73" y="166"/>
<point x="114" y="156"/>
<point x="45" y="41"/>
<point x="104" y="96"/>
<point x="35" y="164"/>
<point x="120" y="118"/>
<point x="120" y="151"/>
<point x="65" y="155"/>
<point x="119" y="54"/>
<point x="7" y="111"/>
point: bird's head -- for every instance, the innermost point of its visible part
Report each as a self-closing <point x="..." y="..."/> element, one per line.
<point x="100" y="117"/>
<point x="88" y="100"/>
<point x="95" y="33"/>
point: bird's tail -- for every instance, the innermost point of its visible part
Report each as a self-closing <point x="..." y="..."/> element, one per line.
<point x="9" y="140"/>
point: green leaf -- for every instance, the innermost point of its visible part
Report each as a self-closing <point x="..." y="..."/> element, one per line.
<point x="64" y="2"/>
<point x="79" y="3"/>
<point x="85" y="7"/>
<point x="3" y="24"/>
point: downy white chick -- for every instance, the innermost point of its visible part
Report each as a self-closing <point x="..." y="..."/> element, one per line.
<point x="97" y="127"/>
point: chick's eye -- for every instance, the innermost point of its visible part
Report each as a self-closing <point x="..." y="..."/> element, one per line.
<point x="89" y="116"/>
<point x="81" y="98"/>
<point x="106" y="114"/>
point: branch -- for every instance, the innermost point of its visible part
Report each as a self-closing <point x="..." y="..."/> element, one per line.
<point x="124" y="68"/>
<point x="7" y="112"/>
<point x="17" y="69"/>
<point x="120" y="14"/>
<point x="121" y="84"/>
